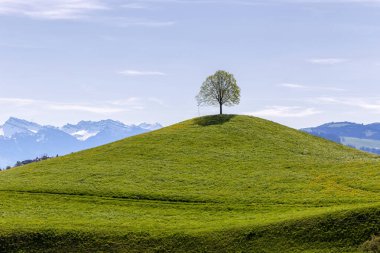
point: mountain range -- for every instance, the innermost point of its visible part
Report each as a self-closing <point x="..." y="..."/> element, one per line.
<point x="21" y="139"/>
<point x="359" y="136"/>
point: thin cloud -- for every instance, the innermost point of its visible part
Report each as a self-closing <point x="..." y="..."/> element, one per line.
<point x="92" y="109"/>
<point x="96" y="108"/>
<point x="128" y="22"/>
<point x="327" y="61"/>
<point x="305" y="87"/>
<point x="362" y="103"/>
<point x="21" y="46"/>
<point x="132" y="101"/>
<point x="141" y="73"/>
<point x="285" y="112"/>
<point x="293" y="86"/>
<point x="91" y="11"/>
<point x="17" y="101"/>
<point x="53" y="10"/>
<point x="137" y="102"/>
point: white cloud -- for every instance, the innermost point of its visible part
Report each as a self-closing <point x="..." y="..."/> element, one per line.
<point x="292" y="85"/>
<point x="141" y="73"/>
<point x="132" y="101"/>
<point x="362" y="103"/>
<point x="285" y="112"/>
<point x="99" y="107"/>
<point x="96" y="108"/>
<point x="128" y="22"/>
<point x="304" y="87"/>
<point x="327" y="61"/>
<point x="82" y="108"/>
<point x="17" y="101"/>
<point x="51" y="9"/>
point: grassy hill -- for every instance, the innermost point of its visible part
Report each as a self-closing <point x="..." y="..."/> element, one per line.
<point x="212" y="184"/>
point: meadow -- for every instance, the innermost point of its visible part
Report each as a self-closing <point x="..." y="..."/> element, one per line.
<point x="213" y="184"/>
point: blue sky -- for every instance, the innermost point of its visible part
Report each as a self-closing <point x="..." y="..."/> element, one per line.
<point x="298" y="62"/>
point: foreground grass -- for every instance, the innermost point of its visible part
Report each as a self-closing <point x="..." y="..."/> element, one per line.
<point x="45" y="222"/>
<point x="222" y="184"/>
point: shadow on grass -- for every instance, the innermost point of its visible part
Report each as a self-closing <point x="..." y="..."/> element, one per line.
<point x="213" y="120"/>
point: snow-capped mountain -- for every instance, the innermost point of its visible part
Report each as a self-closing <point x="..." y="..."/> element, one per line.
<point x="87" y="129"/>
<point x="21" y="139"/>
<point x="16" y="126"/>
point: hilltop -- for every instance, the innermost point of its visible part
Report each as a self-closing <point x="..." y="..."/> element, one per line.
<point x="217" y="183"/>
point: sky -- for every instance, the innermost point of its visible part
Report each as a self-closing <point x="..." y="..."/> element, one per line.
<point x="301" y="63"/>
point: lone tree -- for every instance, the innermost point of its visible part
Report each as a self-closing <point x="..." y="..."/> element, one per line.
<point x="219" y="89"/>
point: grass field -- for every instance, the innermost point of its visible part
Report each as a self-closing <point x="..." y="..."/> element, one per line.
<point x="212" y="184"/>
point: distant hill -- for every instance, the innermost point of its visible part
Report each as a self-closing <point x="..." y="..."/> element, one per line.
<point x="21" y="139"/>
<point x="212" y="184"/>
<point x="359" y="136"/>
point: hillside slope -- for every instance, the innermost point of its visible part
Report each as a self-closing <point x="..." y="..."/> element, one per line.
<point x="230" y="182"/>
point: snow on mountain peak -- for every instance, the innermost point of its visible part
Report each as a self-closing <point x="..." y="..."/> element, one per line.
<point x="82" y="131"/>
<point x="83" y="135"/>
<point x="15" y="126"/>
<point x="24" y="140"/>
<point x="87" y="129"/>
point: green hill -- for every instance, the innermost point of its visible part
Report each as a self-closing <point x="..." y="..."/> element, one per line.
<point x="212" y="184"/>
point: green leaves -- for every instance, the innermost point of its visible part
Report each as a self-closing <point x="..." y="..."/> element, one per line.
<point x="219" y="89"/>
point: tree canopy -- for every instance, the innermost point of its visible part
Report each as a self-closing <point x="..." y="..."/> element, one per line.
<point x="219" y="89"/>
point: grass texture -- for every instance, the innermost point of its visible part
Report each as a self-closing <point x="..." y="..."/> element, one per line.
<point x="213" y="184"/>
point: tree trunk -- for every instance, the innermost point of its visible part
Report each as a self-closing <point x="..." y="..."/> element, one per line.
<point x="221" y="110"/>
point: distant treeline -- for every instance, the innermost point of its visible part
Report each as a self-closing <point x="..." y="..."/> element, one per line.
<point x="25" y="162"/>
<point x="371" y="150"/>
<point x="337" y="139"/>
<point x="367" y="149"/>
